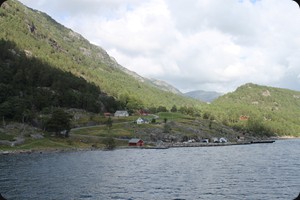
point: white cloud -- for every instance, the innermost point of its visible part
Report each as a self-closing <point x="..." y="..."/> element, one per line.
<point x="193" y="44"/>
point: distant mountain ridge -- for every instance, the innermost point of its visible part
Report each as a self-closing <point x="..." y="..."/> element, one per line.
<point x="159" y="84"/>
<point x="164" y="86"/>
<point x="205" y="96"/>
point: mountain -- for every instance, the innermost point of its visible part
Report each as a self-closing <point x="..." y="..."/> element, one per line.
<point x="205" y="96"/>
<point x="165" y="86"/>
<point x="275" y="109"/>
<point x="42" y="38"/>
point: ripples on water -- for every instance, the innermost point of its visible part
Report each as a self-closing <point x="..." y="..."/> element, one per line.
<point x="262" y="171"/>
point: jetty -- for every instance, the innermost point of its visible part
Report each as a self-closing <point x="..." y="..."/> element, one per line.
<point x="167" y="145"/>
<point x="262" y="141"/>
<point x="202" y="144"/>
<point x="155" y="147"/>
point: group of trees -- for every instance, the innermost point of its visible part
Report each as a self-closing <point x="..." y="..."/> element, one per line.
<point x="192" y="111"/>
<point x="29" y="86"/>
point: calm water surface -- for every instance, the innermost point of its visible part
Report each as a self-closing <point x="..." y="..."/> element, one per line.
<point x="260" y="171"/>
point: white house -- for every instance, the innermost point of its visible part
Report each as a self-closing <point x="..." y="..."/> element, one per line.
<point x="142" y="121"/>
<point x="121" y="113"/>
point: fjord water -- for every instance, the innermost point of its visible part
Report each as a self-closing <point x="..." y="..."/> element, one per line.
<point x="258" y="171"/>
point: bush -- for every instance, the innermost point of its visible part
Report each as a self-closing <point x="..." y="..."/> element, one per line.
<point x="59" y="121"/>
<point x="109" y="143"/>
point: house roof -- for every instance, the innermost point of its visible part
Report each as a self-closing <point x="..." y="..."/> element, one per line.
<point x="142" y="119"/>
<point x="121" y="112"/>
<point x="134" y="140"/>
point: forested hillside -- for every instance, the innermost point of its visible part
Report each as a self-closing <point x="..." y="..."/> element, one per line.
<point x="260" y="109"/>
<point x="40" y="37"/>
<point x="28" y="86"/>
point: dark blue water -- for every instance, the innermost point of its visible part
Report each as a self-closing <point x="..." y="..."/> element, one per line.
<point x="260" y="171"/>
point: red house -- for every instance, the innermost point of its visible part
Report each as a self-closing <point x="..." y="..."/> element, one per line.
<point x="136" y="142"/>
<point x="244" y="118"/>
<point x="143" y="112"/>
<point x="107" y="114"/>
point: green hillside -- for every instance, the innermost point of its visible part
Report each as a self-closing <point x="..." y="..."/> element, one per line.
<point x="29" y="86"/>
<point x="40" y="37"/>
<point x="278" y="110"/>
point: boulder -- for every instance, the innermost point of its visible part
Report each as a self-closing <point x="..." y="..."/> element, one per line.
<point x="1" y="197"/>
<point x="298" y="198"/>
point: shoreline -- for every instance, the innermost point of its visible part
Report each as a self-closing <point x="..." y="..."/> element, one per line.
<point x="63" y="150"/>
<point x="44" y="151"/>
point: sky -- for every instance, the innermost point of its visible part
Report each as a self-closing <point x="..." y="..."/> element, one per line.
<point x="211" y="45"/>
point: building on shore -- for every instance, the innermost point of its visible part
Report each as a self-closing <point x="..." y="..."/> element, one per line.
<point x="135" y="142"/>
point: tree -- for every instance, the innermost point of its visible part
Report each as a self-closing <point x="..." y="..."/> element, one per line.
<point x="206" y="115"/>
<point x="109" y="123"/>
<point x="109" y="143"/>
<point x="210" y="124"/>
<point x="153" y="110"/>
<point x="60" y="121"/>
<point x="167" y="128"/>
<point x="174" y="109"/>
<point x="162" y="109"/>
<point x="165" y="120"/>
<point x="258" y="128"/>
<point x="153" y="121"/>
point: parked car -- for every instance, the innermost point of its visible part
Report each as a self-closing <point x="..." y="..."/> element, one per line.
<point x="223" y="140"/>
<point x="205" y="140"/>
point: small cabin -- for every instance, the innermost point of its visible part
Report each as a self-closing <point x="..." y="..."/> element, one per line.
<point x="142" y="121"/>
<point x="244" y="118"/>
<point x="136" y="142"/>
<point x="107" y="114"/>
<point x="143" y="112"/>
<point x="121" y="113"/>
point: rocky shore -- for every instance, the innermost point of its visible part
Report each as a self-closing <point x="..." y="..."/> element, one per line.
<point x="41" y="151"/>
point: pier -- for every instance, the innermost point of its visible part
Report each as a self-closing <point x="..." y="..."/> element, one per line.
<point x="201" y="144"/>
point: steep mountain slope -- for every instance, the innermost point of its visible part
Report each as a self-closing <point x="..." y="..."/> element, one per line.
<point x="206" y="96"/>
<point x="164" y="86"/>
<point x="276" y="108"/>
<point x="39" y="36"/>
<point x="28" y="86"/>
